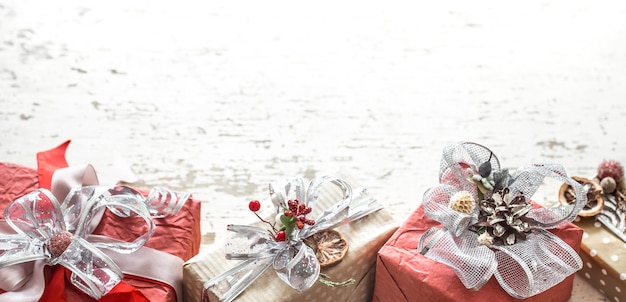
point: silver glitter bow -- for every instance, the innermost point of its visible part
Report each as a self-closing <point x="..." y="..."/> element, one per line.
<point x="295" y="262"/>
<point x="490" y="228"/>
<point x="60" y="233"/>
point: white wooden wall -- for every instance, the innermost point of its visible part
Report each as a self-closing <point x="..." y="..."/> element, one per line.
<point x="221" y="97"/>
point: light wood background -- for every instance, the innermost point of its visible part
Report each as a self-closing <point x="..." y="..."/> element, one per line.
<point x="221" y="97"/>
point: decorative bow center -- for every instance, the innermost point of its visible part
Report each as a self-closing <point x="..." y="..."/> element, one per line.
<point x="58" y="243"/>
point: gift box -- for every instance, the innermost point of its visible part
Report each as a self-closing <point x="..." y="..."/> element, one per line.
<point x="175" y="237"/>
<point x="365" y="236"/>
<point x="603" y="256"/>
<point x="603" y="247"/>
<point x="403" y="274"/>
<point x="477" y="236"/>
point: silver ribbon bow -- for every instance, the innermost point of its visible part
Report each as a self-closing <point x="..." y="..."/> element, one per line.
<point x="61" y="233"/>
<point x="524" y="268"/>
<point x="295" y="263"/>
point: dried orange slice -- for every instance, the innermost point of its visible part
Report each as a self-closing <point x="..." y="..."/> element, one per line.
<point x="330" y="246"/>
<point x="595" y="201"/>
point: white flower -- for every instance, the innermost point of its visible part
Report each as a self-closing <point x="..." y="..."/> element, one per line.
<point x="485" y="239"/>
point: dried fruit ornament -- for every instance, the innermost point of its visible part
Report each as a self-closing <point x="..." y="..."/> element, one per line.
<point x="606" y="196"/>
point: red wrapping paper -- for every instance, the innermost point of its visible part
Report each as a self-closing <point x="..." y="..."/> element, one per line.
<point x="403" y="274"/>
<point x="178" y="235"/>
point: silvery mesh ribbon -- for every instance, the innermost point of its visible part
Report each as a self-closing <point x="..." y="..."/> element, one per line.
<point x="294" y="262"/>
<point x="40" y="223"/>
<point x="523" y="269"/>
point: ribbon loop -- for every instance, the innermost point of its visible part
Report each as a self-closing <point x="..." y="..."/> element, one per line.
<point x="459" y="157"/>
<point x="287" y="189"/>
<point x="461" y="253"/>
<point x="336" y="214"/>
<point x="37" y="214"/>
<point x="297" y="266"/>
<point x="123" y="201"/>
<point x="163" y="202"/>
<point x="530" y="180"/>
<point x="535" y="265"/>
<point x="317" y="185"/>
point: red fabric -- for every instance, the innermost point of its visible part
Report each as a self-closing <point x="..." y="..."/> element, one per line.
<point x="178" y="235"/>
<point x="59" y="277"/>
<point x="174" y="234"/>
<point x="15" y="181"/>
<point x="403" y="274"/>
<point x="49" y="161"/>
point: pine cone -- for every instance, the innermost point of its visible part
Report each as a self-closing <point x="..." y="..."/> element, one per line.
<point x="504" y="217"/>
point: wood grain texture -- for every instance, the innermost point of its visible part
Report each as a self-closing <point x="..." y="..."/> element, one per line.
<point x="221" y="97"/>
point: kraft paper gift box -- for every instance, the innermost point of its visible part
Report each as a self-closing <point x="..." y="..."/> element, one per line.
<point x="403" y="274"/>
<point x="604" y="259"/>
<point x="603" y="251"/>
<point x="178" y="235"/>
<point x="364" y="236"/>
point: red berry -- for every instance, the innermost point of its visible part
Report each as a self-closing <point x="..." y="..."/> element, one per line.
<point x="301" y="208"/>
<point x="288" y="213"/>
<point x="300" y="224"/>
<point x="280" y="236"/>
<point x="610" y="168"/>
<point x="307" y="210"/>
<point x="254" y="205"/>
<point x="309" y="221"/>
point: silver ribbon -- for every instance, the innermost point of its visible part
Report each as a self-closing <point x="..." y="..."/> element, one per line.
<point x="37" y="217"/>
<point x="523" y="269"/>
<point x="294" y="262"/>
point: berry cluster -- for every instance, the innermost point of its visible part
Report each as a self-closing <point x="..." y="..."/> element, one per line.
<point x="293" y="217"/>
<point x="298" y="211"/>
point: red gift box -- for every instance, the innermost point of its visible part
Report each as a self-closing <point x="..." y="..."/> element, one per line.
<point x="403" y="274"/>
<point x="178" y="235"/>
